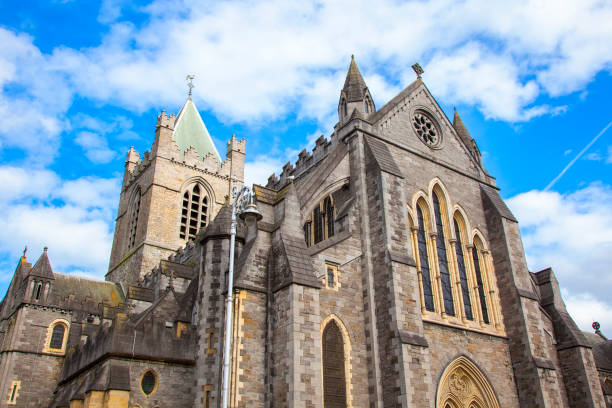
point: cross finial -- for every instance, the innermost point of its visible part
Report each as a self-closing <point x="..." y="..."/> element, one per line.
<point x="25" y="251"/>
<point x="190" y="84"/>
<point x="417" y="70"/>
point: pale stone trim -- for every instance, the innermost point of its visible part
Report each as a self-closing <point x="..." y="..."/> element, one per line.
<point x="12" y="398"/>
<point x="47" y="345"/>
<point x="463" y="384"/>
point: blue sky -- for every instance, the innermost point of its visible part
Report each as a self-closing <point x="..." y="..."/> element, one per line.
<point x="82" y="81"/>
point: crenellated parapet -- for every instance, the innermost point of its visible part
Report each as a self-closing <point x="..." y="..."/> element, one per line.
<point x="304" y="162"/>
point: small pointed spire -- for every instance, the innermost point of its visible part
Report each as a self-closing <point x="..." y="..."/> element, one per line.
<point x="460" y="128"/>
<point x="354" y="85"/>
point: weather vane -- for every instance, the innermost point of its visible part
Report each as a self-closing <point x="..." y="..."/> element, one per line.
<point x="190" y="84"/>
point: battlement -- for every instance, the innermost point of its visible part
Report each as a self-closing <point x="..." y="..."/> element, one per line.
<point x="165" y="121"/>
<point x="235" y="145"/>
<point x="304" y="162"/>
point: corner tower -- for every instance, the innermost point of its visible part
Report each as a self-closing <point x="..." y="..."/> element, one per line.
<point x="355" y="95"/>
<point x="170" y="193"/>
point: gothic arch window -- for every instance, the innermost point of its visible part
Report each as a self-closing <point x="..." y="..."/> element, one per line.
<point x="194" y="213"/>
<point x="134" y="212"/>
<point x="443" y="266"/>
<point x="320" y="225"/>
<point x="344" y="107"/>
<point x="463" y="385"/>
<point x="334" y="375"/>
<point x="423" y="255"/>
<point x="479" y="267"/>
<point x="460" y="239"/>
<point x="57" y="337"/>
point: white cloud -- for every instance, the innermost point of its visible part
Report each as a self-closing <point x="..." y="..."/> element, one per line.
<point x="74" y="218"/>
<point x="95" y="147"/>
<point x="262" y="60"/>
<point x="593" y="156"/>
<point x="571" y="233"/>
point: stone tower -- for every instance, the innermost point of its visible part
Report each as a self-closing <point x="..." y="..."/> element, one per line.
<point x="170" y="193"/>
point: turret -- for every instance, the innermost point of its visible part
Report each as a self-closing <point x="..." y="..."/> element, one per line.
<point x="355" y="95"/>
<point x="39" y="280"/>
<point x="466" y="137"/>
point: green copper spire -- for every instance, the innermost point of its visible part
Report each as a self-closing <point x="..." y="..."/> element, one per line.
<point x="189" y="130"/>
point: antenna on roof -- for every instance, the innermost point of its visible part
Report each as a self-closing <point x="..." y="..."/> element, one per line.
<point x="190" y="84"/>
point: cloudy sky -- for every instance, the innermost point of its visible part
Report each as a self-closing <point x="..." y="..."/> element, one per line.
<point x="82" y="81"/>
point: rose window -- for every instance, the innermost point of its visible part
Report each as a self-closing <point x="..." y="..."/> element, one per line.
<point x="426" y="129"/>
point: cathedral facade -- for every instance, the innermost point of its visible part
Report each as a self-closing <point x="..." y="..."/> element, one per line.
<point x="386" y="272"/>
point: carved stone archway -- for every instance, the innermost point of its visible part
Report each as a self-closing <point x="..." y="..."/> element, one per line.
<point x="463" y="385"/>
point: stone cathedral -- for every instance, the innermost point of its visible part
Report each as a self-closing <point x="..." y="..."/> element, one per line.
<point x="386" y="272"/>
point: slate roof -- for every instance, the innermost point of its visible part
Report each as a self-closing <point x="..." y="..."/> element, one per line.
<point x="189" y="130"/>
<point x="86" y="290"/>
<point x="383" y="157"/>
<point x="300" y="265"/>
<point x="42" y="268"/>
<point x="354" y="85"/>
<point x="497" y="202"/>
<point x="602" y="350"/>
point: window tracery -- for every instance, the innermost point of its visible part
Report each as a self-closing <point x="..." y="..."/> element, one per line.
<point x="455" y="273"/>
<point x="194" y="213"/>
<point x="463" y="385"/>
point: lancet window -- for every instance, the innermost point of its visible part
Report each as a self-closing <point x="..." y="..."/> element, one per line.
<point x="455" y="274"/>
<point x="320" y="225"/>
<point x="479" y="282"/>
<point x="134" y="212"/>
<point x="334" y="376"/>
<point x="194" y="214"/>
<point x="447" y="293"/>
<point x="465" y="287"/>
<point x="424" y="261"/>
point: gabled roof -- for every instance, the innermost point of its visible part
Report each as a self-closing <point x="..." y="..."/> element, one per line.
<point x="42" y="268"/>
<point x="354" y="85"/>
<point x="190" y="131"/>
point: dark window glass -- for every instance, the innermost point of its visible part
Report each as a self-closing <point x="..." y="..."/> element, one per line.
<point x="329" y="211"/>
<point x="317" y="217"/>
<point x="38" y="290"/>
<point x="422" y="247"/>
<point x="13" y="393"/>
<point x="330" y="277"/>
<point x="344" y="107"/>
<point x="467" y="304"/>
<point x="447" y="294"/>
<point x="334" y="382"/>
<point x="57" y="337"/>
<point x="307" y="233"/>
<point x="148" y="382"/>
<point x="207" y="400"/>
<point x="481" y="292"/>
<point x="366" y="108"/>
<point x="134" y="220"/>
<point x="194" y="215"/>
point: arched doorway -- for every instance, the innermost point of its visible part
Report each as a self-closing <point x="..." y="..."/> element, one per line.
<point x="334" y="376"/>
<point x="463" y="385"/>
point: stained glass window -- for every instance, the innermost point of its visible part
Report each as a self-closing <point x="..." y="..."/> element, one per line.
<point x="57" y="337"/>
